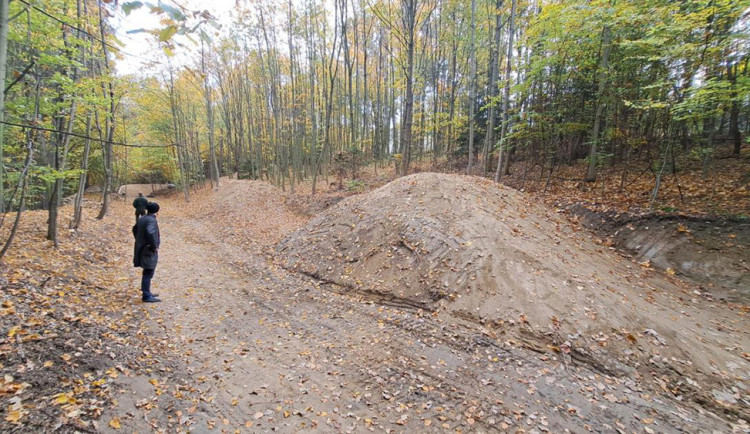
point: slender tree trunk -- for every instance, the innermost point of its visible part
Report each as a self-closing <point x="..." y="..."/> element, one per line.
<point x="454" y="86"/>
<point x="179" y="144"/>
<point x="472" y="84"/>
<point x="333" y="67"/>
<point x="734" y="111"/>
<point x="3" y="65"/>
<point x="214" y="167"/>
<point x="109" y="94"/>
<point x="409" y="23"/>
<point x="493" y="70"/>
<point x="62" y="146"/>
<point x="22" y="188"/>
<point x="602" y="79"/>
<point x="506" y="100"/>
<point x="78" y="210"/>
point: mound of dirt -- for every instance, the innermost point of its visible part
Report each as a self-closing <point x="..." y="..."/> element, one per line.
<point x="484" y="252"/>
<point x="251" y="213"/>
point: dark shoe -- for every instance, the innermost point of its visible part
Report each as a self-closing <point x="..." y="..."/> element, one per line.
<point x="151" y="299"/>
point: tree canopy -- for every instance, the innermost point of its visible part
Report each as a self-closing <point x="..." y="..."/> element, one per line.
<point x="290" y="91"/>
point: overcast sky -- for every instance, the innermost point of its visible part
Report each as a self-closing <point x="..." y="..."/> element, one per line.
<point x="143" y="48"/>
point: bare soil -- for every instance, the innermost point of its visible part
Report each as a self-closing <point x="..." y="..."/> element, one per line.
<point x="486" y="253"/>
<point x="241" y="344"/>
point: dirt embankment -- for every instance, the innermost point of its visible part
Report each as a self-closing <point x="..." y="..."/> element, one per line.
<point x="483" y="252"/>
<point x="711" y="252"/>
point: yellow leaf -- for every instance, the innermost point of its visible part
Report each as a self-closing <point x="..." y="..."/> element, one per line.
<point x="12" y="332"/>
<point x="14" y="416"/>
<point x="154" y="382"/>
<point x="66" y="357"/>
<point x="286" y="413"/>
<point x="670" y="271"/>
<point x="48" y="363"/>
<point x="61" y="398"/>
<point x="115" y="423"/>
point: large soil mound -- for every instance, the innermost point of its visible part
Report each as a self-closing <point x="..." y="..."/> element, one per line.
<point x="487" y="253"/>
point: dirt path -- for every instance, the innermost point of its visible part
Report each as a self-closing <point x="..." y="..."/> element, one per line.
<point x="250" y="347"/>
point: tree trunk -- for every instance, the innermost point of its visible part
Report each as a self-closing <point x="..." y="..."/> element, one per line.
<point x="734" y="112"/>
<point x="333" y="67"/>
<point x="472" y="84"/>
<point x="602" y="79"/>
<point x="3" y="65"/>
<point x="506" y="99"/>
<point x="22" y="188"/>
<point x="109" y="93"/>
<point x="494" y="71"/>
<point x="213" y="165"/>
<point x="78" y="210"/>
<point x="409" y="23"/>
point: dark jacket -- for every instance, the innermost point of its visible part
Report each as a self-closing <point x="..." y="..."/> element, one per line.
<point x="146" y="232"/>
<point x="140" y="203"/>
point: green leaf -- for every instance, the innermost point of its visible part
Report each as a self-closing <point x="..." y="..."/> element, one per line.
<point x="173" y="12"/>
<point x="118" y="42"/>
<point x="204" y="36"/>
<point x="166" y="33"/>
<point x="131" y="6"/>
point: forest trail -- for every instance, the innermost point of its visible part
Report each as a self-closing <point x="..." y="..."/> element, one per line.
<point x="251" y="347"/>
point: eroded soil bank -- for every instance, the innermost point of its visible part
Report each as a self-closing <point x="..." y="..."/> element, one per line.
<point x="714" y="253"/>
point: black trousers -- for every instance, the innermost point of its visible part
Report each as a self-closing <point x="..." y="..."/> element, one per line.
<point x="148" y="274"/>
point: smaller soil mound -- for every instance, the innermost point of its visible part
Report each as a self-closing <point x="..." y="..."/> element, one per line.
<point x="251" y="213"/>
<point x="487" y="253"/>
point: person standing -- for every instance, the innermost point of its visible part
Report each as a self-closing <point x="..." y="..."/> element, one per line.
<point x="146" y="251"/>
<point x="139" y="204"/>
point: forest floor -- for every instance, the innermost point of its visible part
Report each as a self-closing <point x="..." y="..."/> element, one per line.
<point x="242" y="345"/>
